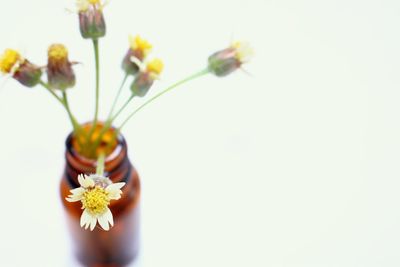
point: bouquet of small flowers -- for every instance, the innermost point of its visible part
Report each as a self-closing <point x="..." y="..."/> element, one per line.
<point x="97" y="139"/>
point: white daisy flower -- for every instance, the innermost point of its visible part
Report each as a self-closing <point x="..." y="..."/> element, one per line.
<point x="95" y="193"/>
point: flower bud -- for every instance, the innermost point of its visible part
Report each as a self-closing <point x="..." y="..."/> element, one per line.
<point x="145" y="79"/>
<point x="91" y="20"/>
<point x="137" y="52"/>
<point x="28" y="74"/>
<point x="60" y="74"/>
<point x="230" y="59"/>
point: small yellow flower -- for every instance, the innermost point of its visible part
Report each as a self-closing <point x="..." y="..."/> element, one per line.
<point x="155" y="66"/>
<point x="10" y="61"/>
<point x="58" y="52"/>
<point x="95" y="194"/>
<point x="139" y="44"/>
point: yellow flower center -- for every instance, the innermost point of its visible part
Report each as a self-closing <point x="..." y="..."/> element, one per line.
<point x="58" y="52"/>
<point x="155" y="66"/>
<point x="237" y="44"/>
<point x="84" y="5"/>
<point x="137" y="43"/>
<point x="243" y="51"/>
<point x="95" y="200"/>
<point x="8" y="60"/>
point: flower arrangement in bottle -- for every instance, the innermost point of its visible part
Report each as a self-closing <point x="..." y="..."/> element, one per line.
<point x="97" y="139"/>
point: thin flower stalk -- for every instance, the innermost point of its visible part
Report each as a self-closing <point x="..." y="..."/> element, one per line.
<point x="122" y="108"/>
<point x="175" y="85"/>
<point x="64" y="102"/>
<point x="47" y="87"/>
<point x="108" y="124"/>
<point x="117" y="96"/>
<point x="97" y="67"/>
<point x="100" y="165"/>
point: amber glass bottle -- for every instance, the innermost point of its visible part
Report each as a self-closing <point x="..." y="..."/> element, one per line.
<point x="98" y="248"/>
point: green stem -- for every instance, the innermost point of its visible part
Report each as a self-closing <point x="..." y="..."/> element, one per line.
<point x="191" y="77"/>
<point x="75" y="124"/>
<point x="108" y="123"/>
<point x="117" y="96"/>
<point x="97" y="63"/>
<point x="122" y="108"/>
<point x="110" y="118"/>
<point x="63" y="101"/>
<point x="103" y="130"/>
<point x="100" y="165"/>
<point x="47" y="87"/>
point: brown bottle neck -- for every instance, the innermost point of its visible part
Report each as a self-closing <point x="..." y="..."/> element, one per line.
<point x="117" y="165"/>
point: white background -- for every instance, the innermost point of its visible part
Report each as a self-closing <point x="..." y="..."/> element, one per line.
<point x="295" y="165"/>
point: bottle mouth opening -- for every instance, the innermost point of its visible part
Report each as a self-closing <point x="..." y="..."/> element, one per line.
<point x="112" y="148"/>
<point x="121" y="143"/>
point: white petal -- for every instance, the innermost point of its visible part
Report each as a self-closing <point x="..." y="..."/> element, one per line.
<point x="115" y="195"/>
<point x="85" y="218"/>
<point x="93" y="223"/>
<point x="138" y="63"/>
<point x="73" y="198"/>
<point x="110" y="217"/>
<point x="78" y="191"/>
<point x="89" y="182"/>
<point x="114" y="190"/>
<point x="85" y="181"/>
<point x="81" y="179"/>
<point x="104" y="222"/>
<point x="115" y="186"/>
<point x="76" y="195"/>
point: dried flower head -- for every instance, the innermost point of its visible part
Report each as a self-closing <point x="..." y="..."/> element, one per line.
<point x="145" y="79"/>
<point x="91" y="20"/>
<point x="95" y="194"/>
<point x="137" y="52"/>
<point x="230" y="59"/>
<point x="60" y="74"/>
<point x="12" y="63"/>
